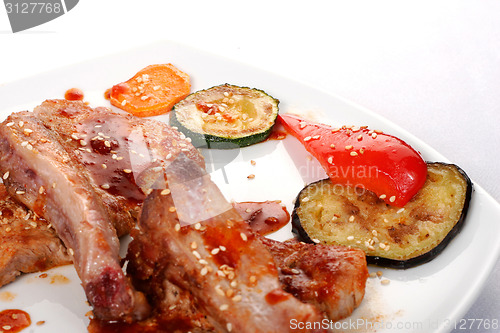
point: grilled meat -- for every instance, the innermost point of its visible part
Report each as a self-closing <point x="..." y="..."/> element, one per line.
<point x="118" y="150"/>
<point x="27" y="243"/>
<point x="191" y="237"/>
<point x="331" y="277"/>
<point x="48" y="180"/>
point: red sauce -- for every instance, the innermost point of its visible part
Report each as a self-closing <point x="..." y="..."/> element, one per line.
<point x="73" y="94"/>
<point x="107" y="94"/>
<point x="264" y="217"/>
<point x="277" y="135"/>
<point x="276" y="296"/>
<point x="16" y="320"/>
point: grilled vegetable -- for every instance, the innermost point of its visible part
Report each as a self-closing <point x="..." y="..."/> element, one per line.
<point x="357" y="156"/>
<point x="152" y="91"/>
<point x="390" y="236"/>
<point x="226" y="116"/>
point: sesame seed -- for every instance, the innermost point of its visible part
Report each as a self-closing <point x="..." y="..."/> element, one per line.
<point x="8" y="229"/>
<point x="229" y="293"/>
<point x="252" y="279"/>
<point x="194" y="245"/>
<point x="392" y="199"/>
<point x="20" y="192"/>
<point x="224" y="307"/>
<point x="370" y="247"/>
<point x="243" y="236"/>
<point x="317" y="241"/>
<point x="9" y="124"/>
<point x="295" y="271"/>
<point x="165" y="192"/>
<point x="237" y="298"/>
<point x="222" y="248"/>
<point x="155" y="88"/>
<point x="204" y="271"/>
<point x="307" y="138"/>
<point x="172" y="307"/>
<point x="229" y="327"/>
<point x="374" y="232"/>
<point x="350" y="238"/>
<point x="203" y="262"/>
<point x="21" y="123"/>
<point x="177" y="227"/>
<point x="234" y="284"/>
<point x="124" y="102"/>
<point x="104" y="166"/>
<point x="353" y="153"/>
<point x="306" y="199"/>
<point x="252" y="162"/>
<point x="24" y="143"/>
<point x="105" y="186"/>
<point x="351" y="219"/>
<point x="302" y="124"/>
<point x="373" y="275"/>
<point x="316" y="137"/>
<point x="127" y="170"/>
<point x="41" y="190"/>
<point x="6" y="327"/>
<point x="215" y="251"/>
<point x="27" y="131"/>
<point x="71" y="252"/>
<point x="251" y="176"/>
<point x="381" y="245"/>
<point x="330" y="159"/>
<point x="385" y="282"/>
<point x="197" y="255"/>
<point x="335" y="130"/>
<point x="107" y="143"/>
<point x="6" y="175"/>
<point x="143" y="98"/>
<point x="374" y="135"/>
<point x="172" y="209"/>
<point x="400" y="210"/>
<point x="383" y="196"/>
<point x="348" y="147"/>
<point x="197" y="226"/>
<point x="360" y="137"/>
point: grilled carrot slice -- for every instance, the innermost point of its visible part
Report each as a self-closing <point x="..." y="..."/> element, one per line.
<point x="152" y="91"/>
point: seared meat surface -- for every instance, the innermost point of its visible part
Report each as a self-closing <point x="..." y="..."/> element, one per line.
<point x="27" y="243"/>
<point x="333" y="278"/>
<point x="119" y="152"/>
<point x="191" y="237"/>
<point x="48" y="180"/>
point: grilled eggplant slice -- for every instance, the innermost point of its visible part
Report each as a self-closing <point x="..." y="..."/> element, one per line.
<point x="390" y="236"/>
<point x="226" y="116"/>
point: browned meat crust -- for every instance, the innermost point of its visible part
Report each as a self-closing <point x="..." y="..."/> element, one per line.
<point x="229" y="274"/>
<point x="333" y="278"/>
<point x="27" y="243"/>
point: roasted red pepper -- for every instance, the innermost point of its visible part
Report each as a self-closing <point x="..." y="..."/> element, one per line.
<point x="364" y="158"/>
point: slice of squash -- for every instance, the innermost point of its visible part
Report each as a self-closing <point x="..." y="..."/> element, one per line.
<point x="390" y="236"/>
<point x="226" y="116"/>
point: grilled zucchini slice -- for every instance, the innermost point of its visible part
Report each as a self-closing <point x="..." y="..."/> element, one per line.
<point x="226" y="116"/>
<point x="390" y="236"/>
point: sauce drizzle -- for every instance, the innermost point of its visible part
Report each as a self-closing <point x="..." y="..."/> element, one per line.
<point x="14" y="320"/>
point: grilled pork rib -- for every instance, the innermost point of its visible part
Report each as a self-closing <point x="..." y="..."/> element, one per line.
<point x="229" y="273"/>
<point x="118" y="150"/>
<point x="46" y="178"/>
<point x="333" y="278"/>
<point x="27" y="243"/>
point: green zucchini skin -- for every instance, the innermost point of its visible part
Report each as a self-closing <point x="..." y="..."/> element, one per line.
<point x="206" y="140"/>
<point x="299" y="229"/>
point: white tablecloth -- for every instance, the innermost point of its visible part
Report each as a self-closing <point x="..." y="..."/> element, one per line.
<point x="432" y="67"/>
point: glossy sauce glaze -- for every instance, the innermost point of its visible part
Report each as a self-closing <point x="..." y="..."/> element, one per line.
<point x="14" y="320"/>
<point x="264" y="217"/>
<point x="73" y="94"/>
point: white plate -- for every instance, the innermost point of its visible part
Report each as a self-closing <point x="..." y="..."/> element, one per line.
<point x="431" y="297"/>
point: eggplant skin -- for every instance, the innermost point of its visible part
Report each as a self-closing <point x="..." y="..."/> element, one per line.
<point x="395" y="237"/>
